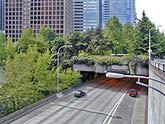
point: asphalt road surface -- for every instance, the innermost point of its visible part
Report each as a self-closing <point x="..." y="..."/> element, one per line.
<point x="107" y="102"/>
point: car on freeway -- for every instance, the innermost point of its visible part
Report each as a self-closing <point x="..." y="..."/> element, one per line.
<point x="133" y="92"/>
<point x="79" y="93"/>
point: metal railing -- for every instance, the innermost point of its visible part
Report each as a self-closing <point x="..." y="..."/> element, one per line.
<point x="159" y="65"/>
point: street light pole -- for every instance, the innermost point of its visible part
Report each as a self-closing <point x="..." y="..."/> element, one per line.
<point x="118" y="75"/>
<point x="58" y="70"/>
<point x="149" y="47"/>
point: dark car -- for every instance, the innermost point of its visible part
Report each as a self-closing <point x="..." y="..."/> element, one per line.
<point x="79" y="93"/>
<point x="133" y="92"/>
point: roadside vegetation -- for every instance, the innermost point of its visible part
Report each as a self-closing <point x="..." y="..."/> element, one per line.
<point x="30" y="64"/>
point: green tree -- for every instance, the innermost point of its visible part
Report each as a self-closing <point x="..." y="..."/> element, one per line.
<point x="142" y="42"/>
<point x="69" y="78"/>
<point x="99" y="45"/>
<point x="158" y="47"/>
<point x="28" y="78"/>
<point x="10" y="48"/>
<point x="47" y="34"/>
<point x="56" y="44"/>
<point x="77" y="40"/>
<point x="129" y="38"/>
<point x="88" y="36"/>
<point x="27" y="38"/>
<point x="113" y="31"/>
<point x="41" y="44"/>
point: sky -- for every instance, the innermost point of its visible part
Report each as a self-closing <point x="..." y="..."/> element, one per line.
<point x="154" y="9"/>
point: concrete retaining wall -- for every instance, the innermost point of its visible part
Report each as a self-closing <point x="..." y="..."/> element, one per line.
<point x="156" y="101"/>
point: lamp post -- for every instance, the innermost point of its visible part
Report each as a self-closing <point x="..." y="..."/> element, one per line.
<point x="58" y="70"/>
<point x="118" y="75"/>
<point x="149" y="47"/>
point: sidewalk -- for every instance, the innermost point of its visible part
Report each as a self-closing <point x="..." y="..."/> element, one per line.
<point x="140" y="108"/>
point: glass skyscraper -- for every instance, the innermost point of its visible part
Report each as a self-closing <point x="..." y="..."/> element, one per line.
<point x="86" y="14"/>
<point x="2" y="17"/>
<point x="93" y="13"/>
<point x="124" y="10"/>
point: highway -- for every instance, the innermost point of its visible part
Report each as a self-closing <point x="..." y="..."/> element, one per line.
<point x="107" y="102"/>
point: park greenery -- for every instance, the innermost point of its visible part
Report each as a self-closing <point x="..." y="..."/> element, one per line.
<point x="30" y="64"/>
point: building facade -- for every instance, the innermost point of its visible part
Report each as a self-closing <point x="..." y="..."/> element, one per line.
<point x="2" y="16"/>
<point x="86" y="14"/>
<point x="21" y="14"/>
<point x="95" y="13"/>
<point x="124" y="10"/>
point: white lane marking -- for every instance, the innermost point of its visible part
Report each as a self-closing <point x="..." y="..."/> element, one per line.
<point x="112" y="112"/>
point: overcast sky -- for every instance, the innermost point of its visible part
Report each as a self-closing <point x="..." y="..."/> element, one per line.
<point x="154" y="9"/>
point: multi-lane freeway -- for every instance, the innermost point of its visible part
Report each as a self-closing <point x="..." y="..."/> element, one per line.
<point x="107" y="102"/>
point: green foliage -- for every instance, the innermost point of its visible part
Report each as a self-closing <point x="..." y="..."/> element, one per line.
<point x="27" y="39"/>
<point x="77" y="40"/>
<point x="143" y="27"/>
<point x="56" y="44"/>
<point x="47" y="34"/>
<point x="28" y="76"/>
<point x="158" y="48"/>
<point x="2" y="49"/>
<point x="69" y="78"/>
<point x="10" y="48"/>
<point x="129" y="38"/>
<point x="113" y="31"/>
<point x="83" y="60"/>
<point x="110" y="60"/>
<point x="29" y="80"/>
<point x="41" y="44"/>
<point x="7" y="50"/>
<point x="99" y="45"/>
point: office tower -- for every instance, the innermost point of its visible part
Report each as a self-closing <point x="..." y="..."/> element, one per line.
<point x="21" y="14"/>
<point x="124" y="10"/>
<point x="2" y="9"/>
<point x="86" y="14"/>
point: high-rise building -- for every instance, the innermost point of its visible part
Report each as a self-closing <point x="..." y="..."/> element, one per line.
<point x="86" y="14"/>
<point x="94" y="13"/>
<point x="124" y="10"/>
<point x="2" y="16"/>
<point x="21" y="14"/>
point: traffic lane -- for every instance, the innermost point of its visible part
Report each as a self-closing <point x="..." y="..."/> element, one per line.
<point x="129" y="110"/>
<point x="92" y="108"/>
<point x="81" y="111"/>
<point x="73" y="111"/>
<point x="33" y="120"/>
<point x="70" y="109"/>
<point x="95" y="83"/>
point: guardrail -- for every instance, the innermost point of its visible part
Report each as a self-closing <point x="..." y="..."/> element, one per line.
<point x="158" y="65"/>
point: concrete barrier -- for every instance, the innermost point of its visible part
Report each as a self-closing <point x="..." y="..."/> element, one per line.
<point x="156" y="101"/>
